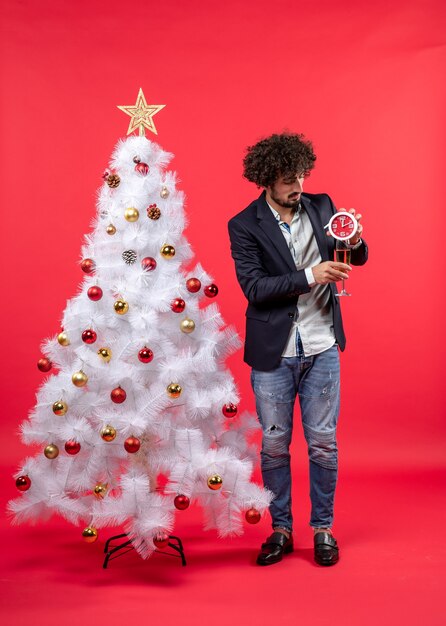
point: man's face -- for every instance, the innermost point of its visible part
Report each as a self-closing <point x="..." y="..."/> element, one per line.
<point x="287" y="190"/>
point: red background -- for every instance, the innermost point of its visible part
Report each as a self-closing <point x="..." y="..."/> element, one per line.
<point x="364" y="81"/>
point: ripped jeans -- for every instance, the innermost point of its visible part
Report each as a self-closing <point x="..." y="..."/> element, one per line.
<point x="315" y="380"/>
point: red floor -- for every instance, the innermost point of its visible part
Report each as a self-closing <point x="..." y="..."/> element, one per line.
<point x="391" y="572"/>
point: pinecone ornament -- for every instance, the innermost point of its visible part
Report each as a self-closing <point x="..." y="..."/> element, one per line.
<point x="129" y="256"/>
<point x="153" y="212"/>
<point x="113" y="181"/>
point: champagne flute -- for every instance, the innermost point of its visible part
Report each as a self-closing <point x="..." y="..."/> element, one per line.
<point x="342" y="255"/>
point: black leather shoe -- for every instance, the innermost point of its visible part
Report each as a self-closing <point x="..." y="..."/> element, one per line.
<point x="274" y="548"/>
<point x="326" y="551"/>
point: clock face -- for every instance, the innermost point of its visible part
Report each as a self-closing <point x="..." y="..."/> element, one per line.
<point x="342" y="225"/>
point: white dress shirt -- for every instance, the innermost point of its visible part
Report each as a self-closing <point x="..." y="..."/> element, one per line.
<point x="313" y="318"/>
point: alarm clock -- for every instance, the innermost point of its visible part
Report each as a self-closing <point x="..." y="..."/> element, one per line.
<point x="342" y="225"/>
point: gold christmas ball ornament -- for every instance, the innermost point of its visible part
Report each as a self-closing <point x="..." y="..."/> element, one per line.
<point x="108" y="433"/>
<point x="90" y="534"/>
<point x="105" y="354"/>
<point x="121" y="307"/>
<point x="60" y="407"/>
<point x="187" y="326"/>
<point x="111" y="229"/>
<point x="215" y="482"/>
<point x="51" y="451"/>
<point x="164" y="193"/>
<point x="80" y="379"/>
<point x="174" y="390"/>
<point x="131" y="214"/>
<point x="62" y="338"/>
<point x="100" y="490"/>
<point x="167" y="251"/>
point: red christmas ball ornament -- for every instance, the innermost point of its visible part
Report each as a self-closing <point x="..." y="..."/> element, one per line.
<point x="161" y="541"/>
<point x="106" y="174"/>
<point x="178" y="305"/>
<point x="229" y="410"/>
<point x="148" y="264"/>
<point x="181" y="502"/>
<point x="211" y="290"/>
<point x="87" y="266"/>
<point x="193" y="285"/>
<point x="142" y="168"/>
<point x="145" y="355"/>
<point x="44" y="364"/>
<point x="72" y="447"/>
<point x="23" y="483"/>
<point x="118" y="395"/>
<point x="252" y="516"/>
<point x="89" y="336"/>
<point x="94" y="293"/>
<point x="132" y="444"/>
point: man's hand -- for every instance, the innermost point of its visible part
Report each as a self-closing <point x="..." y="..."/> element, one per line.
<point x="330" y="272"/>
<point x="353" y="240"/>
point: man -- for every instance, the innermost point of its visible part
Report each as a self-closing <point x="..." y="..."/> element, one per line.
<point x="284" y="264"/>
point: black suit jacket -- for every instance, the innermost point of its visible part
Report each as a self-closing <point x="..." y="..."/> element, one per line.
<point x="269" y="279"/>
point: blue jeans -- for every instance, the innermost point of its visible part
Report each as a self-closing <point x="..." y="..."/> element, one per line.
<point x="315" y="380"/>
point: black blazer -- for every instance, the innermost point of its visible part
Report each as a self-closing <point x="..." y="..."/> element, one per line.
<point x="269" y="279"/>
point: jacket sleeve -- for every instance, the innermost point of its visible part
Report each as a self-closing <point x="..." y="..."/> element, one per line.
<point x="256" y="283"/>
<point x="360" y="255"/>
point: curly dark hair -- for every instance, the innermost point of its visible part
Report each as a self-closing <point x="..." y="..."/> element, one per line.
<point x="279" y="155"/>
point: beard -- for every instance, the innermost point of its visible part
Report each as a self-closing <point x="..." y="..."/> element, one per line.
<point x="290" y="203"/>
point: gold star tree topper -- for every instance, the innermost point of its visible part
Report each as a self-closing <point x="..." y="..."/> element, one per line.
<point x="141" y="114"/>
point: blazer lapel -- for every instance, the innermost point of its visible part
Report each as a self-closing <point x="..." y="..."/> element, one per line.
<point x="318" y="227"/>
<point x="271" y="228"/>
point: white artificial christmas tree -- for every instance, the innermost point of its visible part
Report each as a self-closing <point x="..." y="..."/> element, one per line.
<point x="140" y="388"/>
